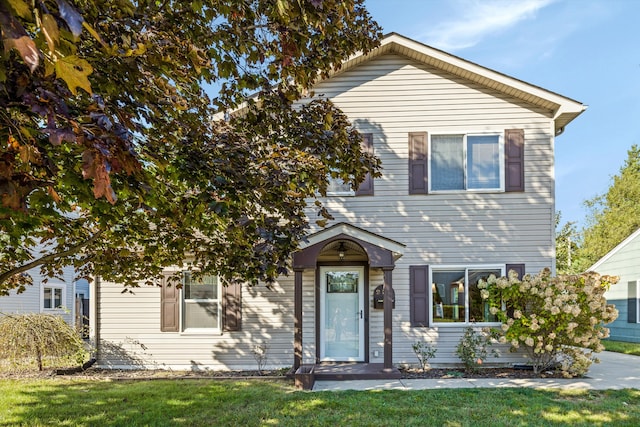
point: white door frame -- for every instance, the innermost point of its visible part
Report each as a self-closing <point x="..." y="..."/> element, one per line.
<point x="359" y="315"/>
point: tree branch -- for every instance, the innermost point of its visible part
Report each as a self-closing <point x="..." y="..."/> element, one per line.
<point x="48" y="258"/>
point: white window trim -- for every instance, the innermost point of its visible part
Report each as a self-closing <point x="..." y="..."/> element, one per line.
<point x="217" y="330"/>
<point x="498" y="133"/>
<point x="350" y="193"/>
<point x="466" y="267"/>
<point x="63" y="297"/>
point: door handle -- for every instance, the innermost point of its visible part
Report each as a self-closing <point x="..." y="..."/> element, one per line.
<point x="361" y="314"/>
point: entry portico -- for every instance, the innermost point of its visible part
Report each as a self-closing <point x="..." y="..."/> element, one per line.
<point x="342" y="257"/>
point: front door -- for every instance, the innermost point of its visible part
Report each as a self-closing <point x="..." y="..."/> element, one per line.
<point x="342" y="314"/>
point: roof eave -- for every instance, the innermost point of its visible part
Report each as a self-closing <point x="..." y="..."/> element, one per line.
<point x="562" y="108"/>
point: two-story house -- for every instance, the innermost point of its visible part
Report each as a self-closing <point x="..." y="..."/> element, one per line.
<point x="467" y="190"/>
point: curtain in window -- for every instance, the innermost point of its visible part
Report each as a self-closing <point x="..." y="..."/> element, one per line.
<point x="483" y="161"/>
<point x="447" y="162"/>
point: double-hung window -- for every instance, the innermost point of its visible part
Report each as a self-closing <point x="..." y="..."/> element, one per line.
<point x="455" y="296"/>
<point x="52" y="297"/>
<point x="466" y="162"/>
<point x="201" y="303"/>
<point x="337" y="187"/>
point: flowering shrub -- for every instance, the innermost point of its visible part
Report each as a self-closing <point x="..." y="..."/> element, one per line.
<point x="555" y="320"/>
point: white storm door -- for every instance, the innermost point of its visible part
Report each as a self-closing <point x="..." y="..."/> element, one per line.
<point x="342" y="314"/>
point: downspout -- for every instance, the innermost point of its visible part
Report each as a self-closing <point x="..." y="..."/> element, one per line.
<point x="94" y="324"/>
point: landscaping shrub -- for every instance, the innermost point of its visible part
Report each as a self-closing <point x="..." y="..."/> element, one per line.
<point x="39" y="337"/>
<point x="473" y="348"/>
<point x="556" y="320"/>
<point x="423" y="352"/>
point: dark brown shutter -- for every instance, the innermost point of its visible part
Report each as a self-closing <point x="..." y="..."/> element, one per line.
<point x="169" y="303"/>
<point x="632" y="303"/>
<point x="418" y="167"/>
<point x="419" y="295"/>
<point x="366" y="186"/>
<point x="232" y="307"/>
<point x="514" y="160"/>
<point x="518" y="268"/>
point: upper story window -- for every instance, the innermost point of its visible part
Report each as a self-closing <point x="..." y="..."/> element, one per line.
<point x="52" y="297"/>
<point x="466" y="162"/>
<point x="338" y="187"/>
<point x="201" y="303"/>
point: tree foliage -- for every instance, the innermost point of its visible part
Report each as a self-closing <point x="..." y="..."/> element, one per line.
<point x="114" y="157"/>
<point x="552" y="318"/>
<point x="39" y="338"/>
<point x="616" y="214"/>
<point x="568" y="240"/>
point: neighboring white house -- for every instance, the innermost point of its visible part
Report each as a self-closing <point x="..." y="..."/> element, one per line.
<point x="54" y="296"/>
<point x="468" y="189"/>
<point x="624" y="261"/>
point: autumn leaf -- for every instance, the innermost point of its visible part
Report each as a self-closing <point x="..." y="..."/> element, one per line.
<point x="50" y="31"/>
<point x="21" y="8"/>
<point x="54" y="195"/>
<point x="15" y="37"/>
<point x="74" y="71"/>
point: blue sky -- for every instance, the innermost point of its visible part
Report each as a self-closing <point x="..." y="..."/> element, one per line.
<point x="587" y="50"/>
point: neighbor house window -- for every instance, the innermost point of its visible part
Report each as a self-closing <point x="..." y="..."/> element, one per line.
<point x="633" y="302"/>
<point x="201" y="303"/>
<point x="466" y="162"/>
<point x="456" y="298"/>
<point x="51" y="297"/>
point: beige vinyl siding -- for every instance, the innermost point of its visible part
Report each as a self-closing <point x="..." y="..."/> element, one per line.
<point x="391" y="96"/>
<point x="130" y="337"/>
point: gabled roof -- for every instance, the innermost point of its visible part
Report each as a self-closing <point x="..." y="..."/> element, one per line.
<point x="615" y="250"/>
<point x="564" y="109"/>
<point x="343" y="228"/>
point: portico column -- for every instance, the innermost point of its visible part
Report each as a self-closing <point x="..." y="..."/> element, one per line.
<point x="297" y="314"/>
<point x="388" y="318"/>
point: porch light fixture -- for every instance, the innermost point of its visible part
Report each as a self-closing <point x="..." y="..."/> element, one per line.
<point x="342" y="250"/>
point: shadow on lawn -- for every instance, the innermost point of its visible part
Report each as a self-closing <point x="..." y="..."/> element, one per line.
<point x="250" y="402"/>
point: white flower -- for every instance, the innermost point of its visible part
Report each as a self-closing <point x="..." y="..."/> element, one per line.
<point x="529" y="341"/>
<point x="493" y="310"/>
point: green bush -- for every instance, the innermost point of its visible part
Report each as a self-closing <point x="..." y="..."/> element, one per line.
<point x="556" y="320"/>
<point x="39" y="338"/>
<point x="423" y="352"/>
<point x="473" y="348"/>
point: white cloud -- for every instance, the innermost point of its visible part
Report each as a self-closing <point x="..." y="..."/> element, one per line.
<point x="480" y="18"/>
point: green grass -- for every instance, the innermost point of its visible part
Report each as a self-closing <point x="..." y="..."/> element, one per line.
<point x="622" y="347"/>
<point x="74" y="402"/>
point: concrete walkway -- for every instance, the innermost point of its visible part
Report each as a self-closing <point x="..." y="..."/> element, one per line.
<point x="615" y="371"/>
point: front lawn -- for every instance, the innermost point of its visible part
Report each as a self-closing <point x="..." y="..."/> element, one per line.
<point x="622" y="347"/>
<point x="74" y="402"/>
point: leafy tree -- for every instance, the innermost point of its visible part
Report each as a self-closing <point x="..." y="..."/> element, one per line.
<point x="568" y="239"/>
<point x="616" y="214"/>
<point x="114" y="158"/>
<point x="39" y="337"/>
